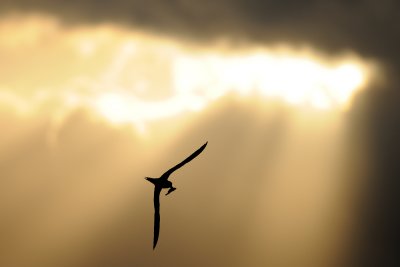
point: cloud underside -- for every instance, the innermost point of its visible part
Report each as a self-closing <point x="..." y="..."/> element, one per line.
<point x="367" y="27"/>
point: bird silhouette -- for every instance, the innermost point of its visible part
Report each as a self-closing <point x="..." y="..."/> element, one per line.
<point x="162" y="182"/>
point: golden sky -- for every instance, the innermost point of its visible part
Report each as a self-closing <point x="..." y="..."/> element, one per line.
<point x="87" y="111"/>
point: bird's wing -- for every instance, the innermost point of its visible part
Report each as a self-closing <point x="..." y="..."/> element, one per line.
<point x="157" y="191"/>
<point x="194" y="154"/>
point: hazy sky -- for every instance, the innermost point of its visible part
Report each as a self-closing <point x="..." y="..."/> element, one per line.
<point x="297" y="99"/>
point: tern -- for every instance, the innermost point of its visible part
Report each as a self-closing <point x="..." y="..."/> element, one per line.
<point x="162" y="182"/>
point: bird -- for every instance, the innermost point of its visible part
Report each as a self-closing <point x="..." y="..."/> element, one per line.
<point x="162" y="182"/>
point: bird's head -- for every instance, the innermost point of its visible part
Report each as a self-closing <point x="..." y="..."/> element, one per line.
<point x="151" y="180"/>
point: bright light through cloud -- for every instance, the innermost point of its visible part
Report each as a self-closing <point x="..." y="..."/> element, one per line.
<point x="201" y="79"/>
<point x="297" y="81"/>
<point x="132" y="77"/>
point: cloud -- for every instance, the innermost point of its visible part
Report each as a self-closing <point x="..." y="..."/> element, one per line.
<point x="367" y="27"/>
<point x="133" y="77"/>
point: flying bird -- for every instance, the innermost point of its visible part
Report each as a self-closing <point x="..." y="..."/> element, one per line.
<point x="162" y="182"/>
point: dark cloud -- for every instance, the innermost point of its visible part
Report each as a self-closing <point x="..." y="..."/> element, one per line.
<point x="368" y="27"/>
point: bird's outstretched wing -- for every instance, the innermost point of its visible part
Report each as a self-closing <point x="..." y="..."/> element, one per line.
<point x="157" y="191"/>
<point x="194" y="154"/>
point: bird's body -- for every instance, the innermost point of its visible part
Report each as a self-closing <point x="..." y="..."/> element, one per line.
<point x="161" y="183"/>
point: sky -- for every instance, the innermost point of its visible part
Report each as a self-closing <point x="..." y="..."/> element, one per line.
<point x="297" y="99"/>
